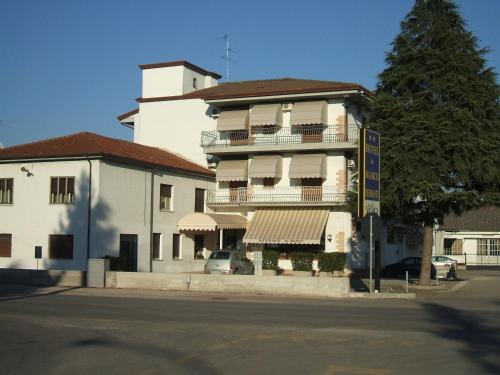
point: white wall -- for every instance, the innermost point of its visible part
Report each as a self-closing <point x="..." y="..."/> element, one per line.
<point x="167" y="81"/>
<point x="31" y="218"/>
<point x="175" y="125"/>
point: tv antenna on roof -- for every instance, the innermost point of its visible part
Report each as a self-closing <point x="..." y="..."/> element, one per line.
<point x="227" y="56"/>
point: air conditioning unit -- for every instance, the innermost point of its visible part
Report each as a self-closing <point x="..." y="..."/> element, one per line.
<point x="351" y="164"/>
<point x="287" y="106"/>
<point x="212" y="165"/>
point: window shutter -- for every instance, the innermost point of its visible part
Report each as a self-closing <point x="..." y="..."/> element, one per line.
<point x="5" y="245"/>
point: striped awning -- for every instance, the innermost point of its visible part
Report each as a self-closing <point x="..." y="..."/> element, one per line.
<point x="232" y="120"/>
<point x="263" y="166"/>
<point x="266" y="115"/>
<point x="198" y="221"/>
<point x="308" y="166"/>
<point x="287" y="226"/>
<point x="309" y="113"/>
<point x="232" y="170"/>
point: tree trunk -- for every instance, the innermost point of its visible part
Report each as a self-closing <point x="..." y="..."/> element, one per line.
<point x="425" y="271"/>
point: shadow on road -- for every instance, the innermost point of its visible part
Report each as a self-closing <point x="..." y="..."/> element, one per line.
<point x="481" y="343"/>
<point x="14" y="292"/>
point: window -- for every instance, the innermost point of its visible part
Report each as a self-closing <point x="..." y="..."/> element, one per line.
<point x="199" y="200"/>
<point x="195" y="83"/>
<point x="6" y="190"/>
<point x="61" y="246"/>
<point x="176" y="246"/>
<point x="157" y="246"/>
<point x="165" y="197"/>
<point x="268" y="182"/>
<point x="453" y="246"/>
<point x="5" y="245"/>
<point x="488" y="246"/>
<point x="62" y="190"/>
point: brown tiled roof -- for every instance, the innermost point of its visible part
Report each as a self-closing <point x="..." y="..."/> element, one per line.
<point x="185" y="63"/>
<point x="485" y="219"/>
<point x="267" y="87"/>
<point x="90" y="144"/>
<point x="127" y="114"/>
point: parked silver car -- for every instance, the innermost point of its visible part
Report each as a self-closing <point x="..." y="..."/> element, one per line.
<point x="228" y="262"/>
<point x="447" y="267"/>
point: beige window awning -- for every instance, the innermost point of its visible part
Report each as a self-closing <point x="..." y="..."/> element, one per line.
<point x="263" y="166"/>
<point x="232" y="170"/>
<point x="232" y="120"/>
<point x="308" y="166"/>
<point x="287" y="226"/>
<point x="198" y="221"/>
<point x="309" y="113"/>
<point x="266" y="115"/>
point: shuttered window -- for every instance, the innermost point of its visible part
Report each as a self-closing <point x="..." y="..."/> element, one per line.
<point x="6" y="190"/>
<point x="199" y="200"/>
<point x="5" y="245"/>
<point x="165" y="197"/>
<point x="61" y="246"/>
<point x="62" y="190"/>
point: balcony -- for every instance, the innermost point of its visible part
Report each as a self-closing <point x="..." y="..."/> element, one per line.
<point x="280" y="139"/>
<point x="280" y="195"/>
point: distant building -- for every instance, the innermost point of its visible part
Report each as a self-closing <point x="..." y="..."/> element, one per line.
<point x="472" y="238"/>
<point x="88" y="196"/>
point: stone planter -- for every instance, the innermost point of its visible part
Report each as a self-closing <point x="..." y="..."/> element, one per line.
<point x="268" y="273"/>
<point x="302" y="273"/>
<point x="325" y="274"/>
<point x="338" y="273"/>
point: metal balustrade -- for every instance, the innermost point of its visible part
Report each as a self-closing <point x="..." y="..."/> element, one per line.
<point x="281" y="135"/>
<point x="279" y="195"/>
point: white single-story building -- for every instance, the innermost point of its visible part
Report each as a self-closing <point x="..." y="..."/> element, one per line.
<point x="472" y="238"/>
<point x="87" y="196"/>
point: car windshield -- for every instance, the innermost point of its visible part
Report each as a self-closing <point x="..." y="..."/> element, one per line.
<point x="220" y="255"/>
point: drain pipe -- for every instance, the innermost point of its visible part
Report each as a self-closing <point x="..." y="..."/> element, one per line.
<point x="89" y="211"/>
<point x="151" y="222"/>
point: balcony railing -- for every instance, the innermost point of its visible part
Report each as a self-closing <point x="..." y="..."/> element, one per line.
<point x="280" y="195"/>
<point x="280" y="136"/>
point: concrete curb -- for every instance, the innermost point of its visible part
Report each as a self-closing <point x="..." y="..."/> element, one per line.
<point x="383" y="295"/>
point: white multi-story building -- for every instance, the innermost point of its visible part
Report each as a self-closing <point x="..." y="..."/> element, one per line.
<point x="87" y="196"/>
<point x="283" y="150"/>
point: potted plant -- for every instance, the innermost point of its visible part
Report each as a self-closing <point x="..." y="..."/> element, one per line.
<point x="302" y="264"/>
<point x="269" y="262"/>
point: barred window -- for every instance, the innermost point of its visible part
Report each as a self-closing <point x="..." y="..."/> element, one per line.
<point x="6" y="190"/>
<point x="488" y="246"/>
<point x="62" y="190"/>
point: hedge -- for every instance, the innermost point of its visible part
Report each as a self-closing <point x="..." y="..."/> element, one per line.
<point x="329" y="262"/>
<point x="270" y="260"/>
<point x="302" y="261"/>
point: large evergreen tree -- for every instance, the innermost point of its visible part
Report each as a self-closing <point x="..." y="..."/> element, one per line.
<point x="437" y="108"/>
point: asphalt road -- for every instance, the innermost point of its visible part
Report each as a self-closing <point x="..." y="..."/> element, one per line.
<point x="82" y="331"/>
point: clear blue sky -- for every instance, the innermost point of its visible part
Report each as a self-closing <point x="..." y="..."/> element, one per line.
<point x="68" y="66"/>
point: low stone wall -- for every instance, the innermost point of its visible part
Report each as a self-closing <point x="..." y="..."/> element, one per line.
<point x="277" y="285"/>
<point x="42" y="277"/>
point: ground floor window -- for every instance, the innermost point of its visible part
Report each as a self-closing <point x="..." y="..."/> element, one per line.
<point x="5" y="245"/>
<point x="453" y="246"/>
<point x="157" y="246"/>
<point x="128" y="252"/>
<point x="488" y="246"/>
<point x="176" y="246"/>
<point x="61" y="246"/>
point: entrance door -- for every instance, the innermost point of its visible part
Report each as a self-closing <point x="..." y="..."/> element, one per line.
<point x="128" y="251"/>
<point x="199" y="245"/>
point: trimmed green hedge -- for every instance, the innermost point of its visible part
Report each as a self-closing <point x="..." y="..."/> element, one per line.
<point x="302" y="261"/>
<point x="329" y="262"/>
<point x="270" y="260"/>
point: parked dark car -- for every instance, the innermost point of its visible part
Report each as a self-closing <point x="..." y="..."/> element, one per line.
<point x="411" y="264"/>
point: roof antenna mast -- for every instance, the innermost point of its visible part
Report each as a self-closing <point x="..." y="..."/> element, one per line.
<point x="227" y="56"/>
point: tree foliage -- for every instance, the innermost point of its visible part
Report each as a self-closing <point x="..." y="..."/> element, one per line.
<point x="437" y="108"/>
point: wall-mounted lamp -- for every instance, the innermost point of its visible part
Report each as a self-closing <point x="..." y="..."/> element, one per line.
<point x="28" y="173"/>
<point x="329" y="238"/>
